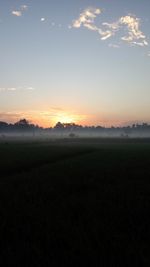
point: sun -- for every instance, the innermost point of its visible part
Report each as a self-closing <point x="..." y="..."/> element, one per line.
<point x="64" y="118"/>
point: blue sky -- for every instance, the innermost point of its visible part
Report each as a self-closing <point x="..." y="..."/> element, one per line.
<point x="83" y="61"/>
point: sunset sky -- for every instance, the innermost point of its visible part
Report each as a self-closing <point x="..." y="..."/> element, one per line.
<point x="83" y="61"/>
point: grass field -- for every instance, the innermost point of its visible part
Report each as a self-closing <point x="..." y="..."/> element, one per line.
<point x="75" y="202"/>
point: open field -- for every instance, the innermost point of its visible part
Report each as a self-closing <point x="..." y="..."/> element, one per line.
<point x="75" y="202"/>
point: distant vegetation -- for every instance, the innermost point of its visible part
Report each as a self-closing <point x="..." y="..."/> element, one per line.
<point x="72" y="130"/>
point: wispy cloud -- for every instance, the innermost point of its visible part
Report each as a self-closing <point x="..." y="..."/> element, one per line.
<point x="3" y="89"/>
<point x="113" y="26"/>
<point x="109" y="30"/>
<point x="14" y="89"/>
<point x="18" y="13"/>
<point x="87" y="18"/>
<point x="114" y="45"/>
<point x="10" y="116"/>
<point x="30" y="88"/>
<point x="130" y="24"/>
<point x="105" y="34"/>
<point x="24" y="7"/>
<point x="51" y="24"/>
<point x="135" y="35"/>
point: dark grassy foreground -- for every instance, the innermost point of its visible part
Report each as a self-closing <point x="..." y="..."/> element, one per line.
<point x="75" y="203"/>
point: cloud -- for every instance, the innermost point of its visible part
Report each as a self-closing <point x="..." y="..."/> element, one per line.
<point x="14" y="89"/>
<point x="114" y="45"/>
<point x="105" y="34"/>
<point x="110" y="30"/>
<point x="30" y="88"/>
<point x="87" y="18"/>
<point x="16" y="13"/>
<point x="113" y="26"/>
<point x="24" y="7"/>
<point x="135" y="35"/>
<point x="3" y="89"/>
<point x="10" y="116"/>
<point x="42" y="19"/>
<point x="19" y="12"/>
<point x="128" y="23"/>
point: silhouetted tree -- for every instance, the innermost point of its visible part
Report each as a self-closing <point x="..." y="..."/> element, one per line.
<point x="22" y="122"/>
<point x="59" y="126"/>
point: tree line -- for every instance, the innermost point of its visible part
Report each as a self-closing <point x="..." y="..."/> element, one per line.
<point x="23" y="125"/>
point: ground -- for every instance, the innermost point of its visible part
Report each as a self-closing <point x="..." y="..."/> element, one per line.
<point x="75" y="202"/>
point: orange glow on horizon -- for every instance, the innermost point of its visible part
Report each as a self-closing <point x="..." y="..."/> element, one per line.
<point x="49" y="118"/>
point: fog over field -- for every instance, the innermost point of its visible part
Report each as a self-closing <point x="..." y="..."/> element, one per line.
<point x="24" y="129"/>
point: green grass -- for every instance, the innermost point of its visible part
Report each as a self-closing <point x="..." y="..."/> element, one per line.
<point x="75" y="202"/>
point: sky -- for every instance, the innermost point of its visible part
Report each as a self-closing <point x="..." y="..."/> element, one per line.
<point x="82" y="61"/>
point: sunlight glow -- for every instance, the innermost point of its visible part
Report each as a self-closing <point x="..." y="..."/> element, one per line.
<point x="64" y="117"/>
